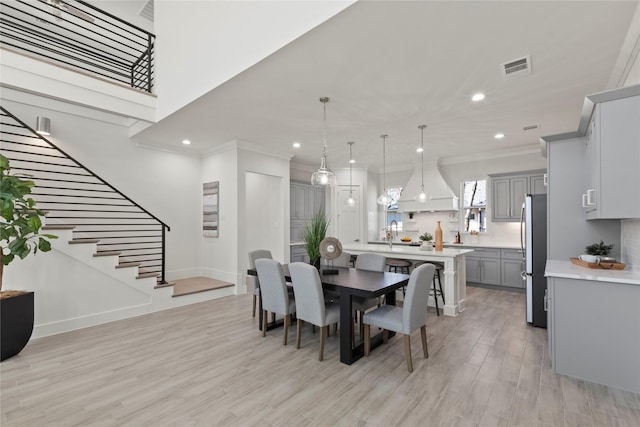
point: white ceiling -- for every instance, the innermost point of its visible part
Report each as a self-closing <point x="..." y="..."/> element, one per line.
<point x="391" y="66"/>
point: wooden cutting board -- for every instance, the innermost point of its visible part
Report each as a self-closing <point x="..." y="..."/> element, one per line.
<point x="602" y="266"/>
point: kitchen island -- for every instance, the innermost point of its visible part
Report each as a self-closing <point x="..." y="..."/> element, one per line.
<point x="454" y="268"/>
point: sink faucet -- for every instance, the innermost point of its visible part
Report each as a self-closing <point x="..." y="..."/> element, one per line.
<point x="390" y="233"/>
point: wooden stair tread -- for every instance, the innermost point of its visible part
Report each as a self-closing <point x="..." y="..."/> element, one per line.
<point x="128" y="264"/>
<point x="145" y="275"/>
<point x="58" y="227"/>
<point x="106" y="253"/>
<point x="163" y="285"/>
<point x="83" y="240"/>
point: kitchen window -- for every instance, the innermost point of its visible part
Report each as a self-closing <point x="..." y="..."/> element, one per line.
<point x="391" y="210"/>
<point x="475" y="206"/>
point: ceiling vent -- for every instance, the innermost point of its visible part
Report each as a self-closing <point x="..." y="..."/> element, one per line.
<point x="147" y="10"/>
<point x="530" y="127"/>
<point x="516" y="67"/>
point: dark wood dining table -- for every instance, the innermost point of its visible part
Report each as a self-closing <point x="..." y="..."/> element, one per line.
<point x="350" y="282"/>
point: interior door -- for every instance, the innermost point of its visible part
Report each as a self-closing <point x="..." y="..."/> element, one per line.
<point x="349" y="217"/>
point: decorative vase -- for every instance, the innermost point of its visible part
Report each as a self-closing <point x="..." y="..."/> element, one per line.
<point x="438" y="236"/>
<point x="315" y="263"/>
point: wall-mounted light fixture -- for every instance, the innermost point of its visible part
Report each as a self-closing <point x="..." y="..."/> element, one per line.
<point x="43" y="126"/>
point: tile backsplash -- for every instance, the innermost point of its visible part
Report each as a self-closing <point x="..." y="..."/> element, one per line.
<point x="631" y="243"/>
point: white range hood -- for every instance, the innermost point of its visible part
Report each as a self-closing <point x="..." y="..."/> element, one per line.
<point x="440" y="195"/>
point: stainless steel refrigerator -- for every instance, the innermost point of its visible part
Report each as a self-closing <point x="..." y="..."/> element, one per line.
<point x="533" y="239"/>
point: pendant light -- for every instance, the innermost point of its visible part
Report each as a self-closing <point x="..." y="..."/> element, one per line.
<point x="384" y="198"/>
<point x="323" y="176"/>
<point x="422" y="196"/>
<point x="350" y="201"/>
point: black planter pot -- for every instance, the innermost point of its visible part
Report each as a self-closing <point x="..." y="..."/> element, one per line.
<point x="315" y="263"/>
<point x="16" y="324"/>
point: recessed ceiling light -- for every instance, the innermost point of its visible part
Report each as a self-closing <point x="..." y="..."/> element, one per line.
<point x="352" y="161"/>
<point x="186" y="142"/>
<point x="477" y="97"/>
<point x="499" y="135"/>
<point x="419" y="150"/>
<point x="296" y="145"/>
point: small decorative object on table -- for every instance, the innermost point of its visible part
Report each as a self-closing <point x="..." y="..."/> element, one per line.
<point x="330" y="249"/>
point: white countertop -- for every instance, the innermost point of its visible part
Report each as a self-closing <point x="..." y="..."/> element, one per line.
<point x="457" y="245"/>
<point x="482" y="245"/>
<point x="406" y="250"/>
<point x="567" y="270"/>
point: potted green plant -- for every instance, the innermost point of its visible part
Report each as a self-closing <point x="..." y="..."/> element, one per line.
<point x="314" y="232"/>
<point x="426" y="241"/>
<point x="600" y="250"/>
<point x="19" y="236"/>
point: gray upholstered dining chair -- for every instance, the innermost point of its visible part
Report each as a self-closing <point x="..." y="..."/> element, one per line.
<point x="371" y="262"/>
<point x="274" y="294"/>
<point x="406" y="319"/>
<point x="253" y="256"/>
<point x="310" y="303"/>
<point x="343" y="260"/>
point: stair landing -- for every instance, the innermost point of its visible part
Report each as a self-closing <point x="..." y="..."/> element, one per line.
<point x="194" y="285"/>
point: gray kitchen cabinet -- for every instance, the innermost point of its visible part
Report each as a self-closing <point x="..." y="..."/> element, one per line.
<point x="483" y="266"/>
<point x="298" y="198"/>
<point x="598" y="339"/>
<point x="299" y="254"/>
<point x="511" y="267"/>
<point x="296" y="230"/>
<point x="472" y="267"/>
<point x="495" y="266"/>
<point x="612" y="155"/>
<point x="509" y="190"/>
<point x="537" y="184"/>
<point x="305" y="201"/>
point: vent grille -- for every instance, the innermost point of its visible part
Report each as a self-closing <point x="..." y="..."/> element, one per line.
<point x="147" y="10"/>
<point x="531" y="127"/>
<point x="516" y="67"/>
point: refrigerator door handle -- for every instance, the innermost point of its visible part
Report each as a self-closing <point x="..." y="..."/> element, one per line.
<point x="522" y="231"/>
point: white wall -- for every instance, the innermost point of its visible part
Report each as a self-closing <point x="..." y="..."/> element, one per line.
<point x="202" y="44"/>
<point x="264" y="213"/>
<point x="238" y="170"/>
<point x="219" y="258"/>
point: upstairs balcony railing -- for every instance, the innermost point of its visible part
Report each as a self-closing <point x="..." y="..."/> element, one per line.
<point x="71" y="194"/>
<point x="79" y="35"/>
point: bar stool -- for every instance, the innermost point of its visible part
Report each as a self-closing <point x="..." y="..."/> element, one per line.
<point x="436" y="292"/>
<point x="396" y="264"/>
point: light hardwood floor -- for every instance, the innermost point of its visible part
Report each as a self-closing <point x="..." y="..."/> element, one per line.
<point x="208" y="365"/>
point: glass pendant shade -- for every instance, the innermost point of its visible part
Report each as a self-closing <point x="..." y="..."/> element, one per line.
<point x="422" y="196"/>
<point x="350" y="201"/>
<point x="323" y="176"/>
<point x="384" y="199"/>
